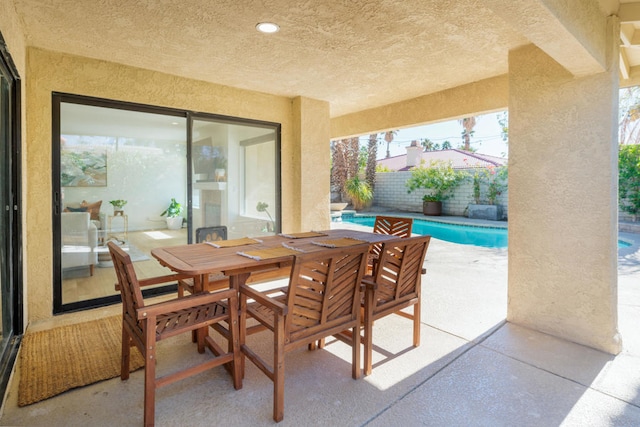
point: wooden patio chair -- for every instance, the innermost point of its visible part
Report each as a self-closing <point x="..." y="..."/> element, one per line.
<point x="144" y="325"/>
<point x="322" y="298"/>
<point x="389" y="225"/>
<point x="394" y="287"/>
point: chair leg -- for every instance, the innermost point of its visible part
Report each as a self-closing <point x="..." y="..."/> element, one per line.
<point x="355" y="362"/>
<point x="200" y="334"/>
<point x="278" y="369"/>
<point x="368" y="332"/>
<point x="242" y="329"/>
<point x="126" y="354"/>
<point x="150" y="376"/>
<point x="234" y="343"/>
<point x="416" y="324"/>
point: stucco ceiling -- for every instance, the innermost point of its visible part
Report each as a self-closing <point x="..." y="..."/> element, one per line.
<point x="354" y="54"/>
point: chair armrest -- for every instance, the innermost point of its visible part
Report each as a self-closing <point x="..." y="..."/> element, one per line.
<point x="369" y="283"/>
<point x="263" y="299"/>
<point x="157" y="280"/>
<point x="92" y="236"/>
<point x="185" y="303"/>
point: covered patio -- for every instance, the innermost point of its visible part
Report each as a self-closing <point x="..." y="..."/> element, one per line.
<point x="542" y="346"/>
<point x="473" y="368"/>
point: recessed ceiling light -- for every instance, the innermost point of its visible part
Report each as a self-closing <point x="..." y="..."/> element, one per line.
<point x="268" y="27"/>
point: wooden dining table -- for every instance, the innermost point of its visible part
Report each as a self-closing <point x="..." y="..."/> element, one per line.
<point x="272" y="253"/>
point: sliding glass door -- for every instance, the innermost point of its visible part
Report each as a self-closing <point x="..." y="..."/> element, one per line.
<point x="144" y="177"/>
<point x="117" y="169"/>
<point x="10" y="216"/>
<point x="235" y="177"/>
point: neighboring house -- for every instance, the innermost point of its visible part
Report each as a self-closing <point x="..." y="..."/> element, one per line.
<point x="459" y="159"/>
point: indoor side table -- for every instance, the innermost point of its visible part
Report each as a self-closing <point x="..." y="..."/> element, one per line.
<point x="125" y="219"/>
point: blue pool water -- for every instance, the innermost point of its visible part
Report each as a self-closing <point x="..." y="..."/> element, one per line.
<point x="489" y="237"/>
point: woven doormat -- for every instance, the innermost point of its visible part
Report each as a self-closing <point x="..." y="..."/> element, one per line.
<point x="63" y="358"/>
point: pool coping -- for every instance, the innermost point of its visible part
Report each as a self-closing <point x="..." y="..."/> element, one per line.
<point x="461" y="221"/>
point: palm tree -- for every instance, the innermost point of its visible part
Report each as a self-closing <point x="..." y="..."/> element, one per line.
<point x="446" y="145"/>
<point x="468" y="123"/>
<point x="372" y="154"/>
<point x="344" y="164"/>
<point x="388" y="136"/>
<point x="427" y="144"/>
<point x="338" y="165"/>
<point x="354" y="157"/>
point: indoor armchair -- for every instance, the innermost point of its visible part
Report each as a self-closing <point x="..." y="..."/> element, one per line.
<point x="79" y="241"/>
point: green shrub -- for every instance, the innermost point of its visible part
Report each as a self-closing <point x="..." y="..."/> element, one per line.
<point x="359" y="192"/>
<point x="629" y="179"/>
<point x="439" y="177"/>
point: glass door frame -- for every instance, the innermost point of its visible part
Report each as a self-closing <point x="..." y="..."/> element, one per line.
<point x="57" y="99"/>
<point x="277" y="129"/>
<point x="14" y="227"/>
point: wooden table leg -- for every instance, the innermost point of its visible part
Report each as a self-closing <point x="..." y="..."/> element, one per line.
<point x="235" y="281"/>
<point x="199" y="283"/>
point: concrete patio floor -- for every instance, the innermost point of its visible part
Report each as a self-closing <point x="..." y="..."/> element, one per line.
<point x="472" y="369"/>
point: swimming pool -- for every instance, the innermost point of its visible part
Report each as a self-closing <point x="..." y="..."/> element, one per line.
<point x="488" y="237"/>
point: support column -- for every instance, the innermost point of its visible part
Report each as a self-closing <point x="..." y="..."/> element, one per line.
<point x="563" y="199"/>
<point x="311" y="130"/>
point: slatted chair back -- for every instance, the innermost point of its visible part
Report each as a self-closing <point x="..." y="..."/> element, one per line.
<point x="392" y="226"/>
<point x="398" y="277"/>
<point x="324" y="291"/>
<point x="129" y="291"/>
<point x="322" y="299"/>
<point x="144" y="325"/>
<point x="395" y="286"/>
<point x="211" y="234"/>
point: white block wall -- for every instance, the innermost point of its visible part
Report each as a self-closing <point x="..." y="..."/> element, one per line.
<point x="390" y="192"/>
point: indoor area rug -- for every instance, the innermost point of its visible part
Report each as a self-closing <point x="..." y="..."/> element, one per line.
<point x="66" y="357"/>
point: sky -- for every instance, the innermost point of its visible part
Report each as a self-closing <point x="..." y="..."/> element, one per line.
<point x="486" y="139"/>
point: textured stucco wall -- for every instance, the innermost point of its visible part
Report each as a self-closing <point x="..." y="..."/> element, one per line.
<point x="563" y="200"/>
<point x="13" y="35"/>
<point x="573" y="33"/>
<point x="471" y="99"/>
<point x="311" y="127"/>
<point x="48" y="71"/>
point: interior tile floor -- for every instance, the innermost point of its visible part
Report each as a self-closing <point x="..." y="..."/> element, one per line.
<point x="78" y="285"/>
<point x="472" y="369"/>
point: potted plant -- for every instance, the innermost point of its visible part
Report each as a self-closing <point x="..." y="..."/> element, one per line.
<point x="262" y="207"/>
<point x="117" y="206"/>
<point x="495" y="180"/>
<point x="173" y="213"/>
<point x="440" y="179"/>
<point x="359" y="192"/>
<point x="220" y="168"/>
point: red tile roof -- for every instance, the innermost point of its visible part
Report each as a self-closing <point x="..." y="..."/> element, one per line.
<point x="460" y="159"/>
